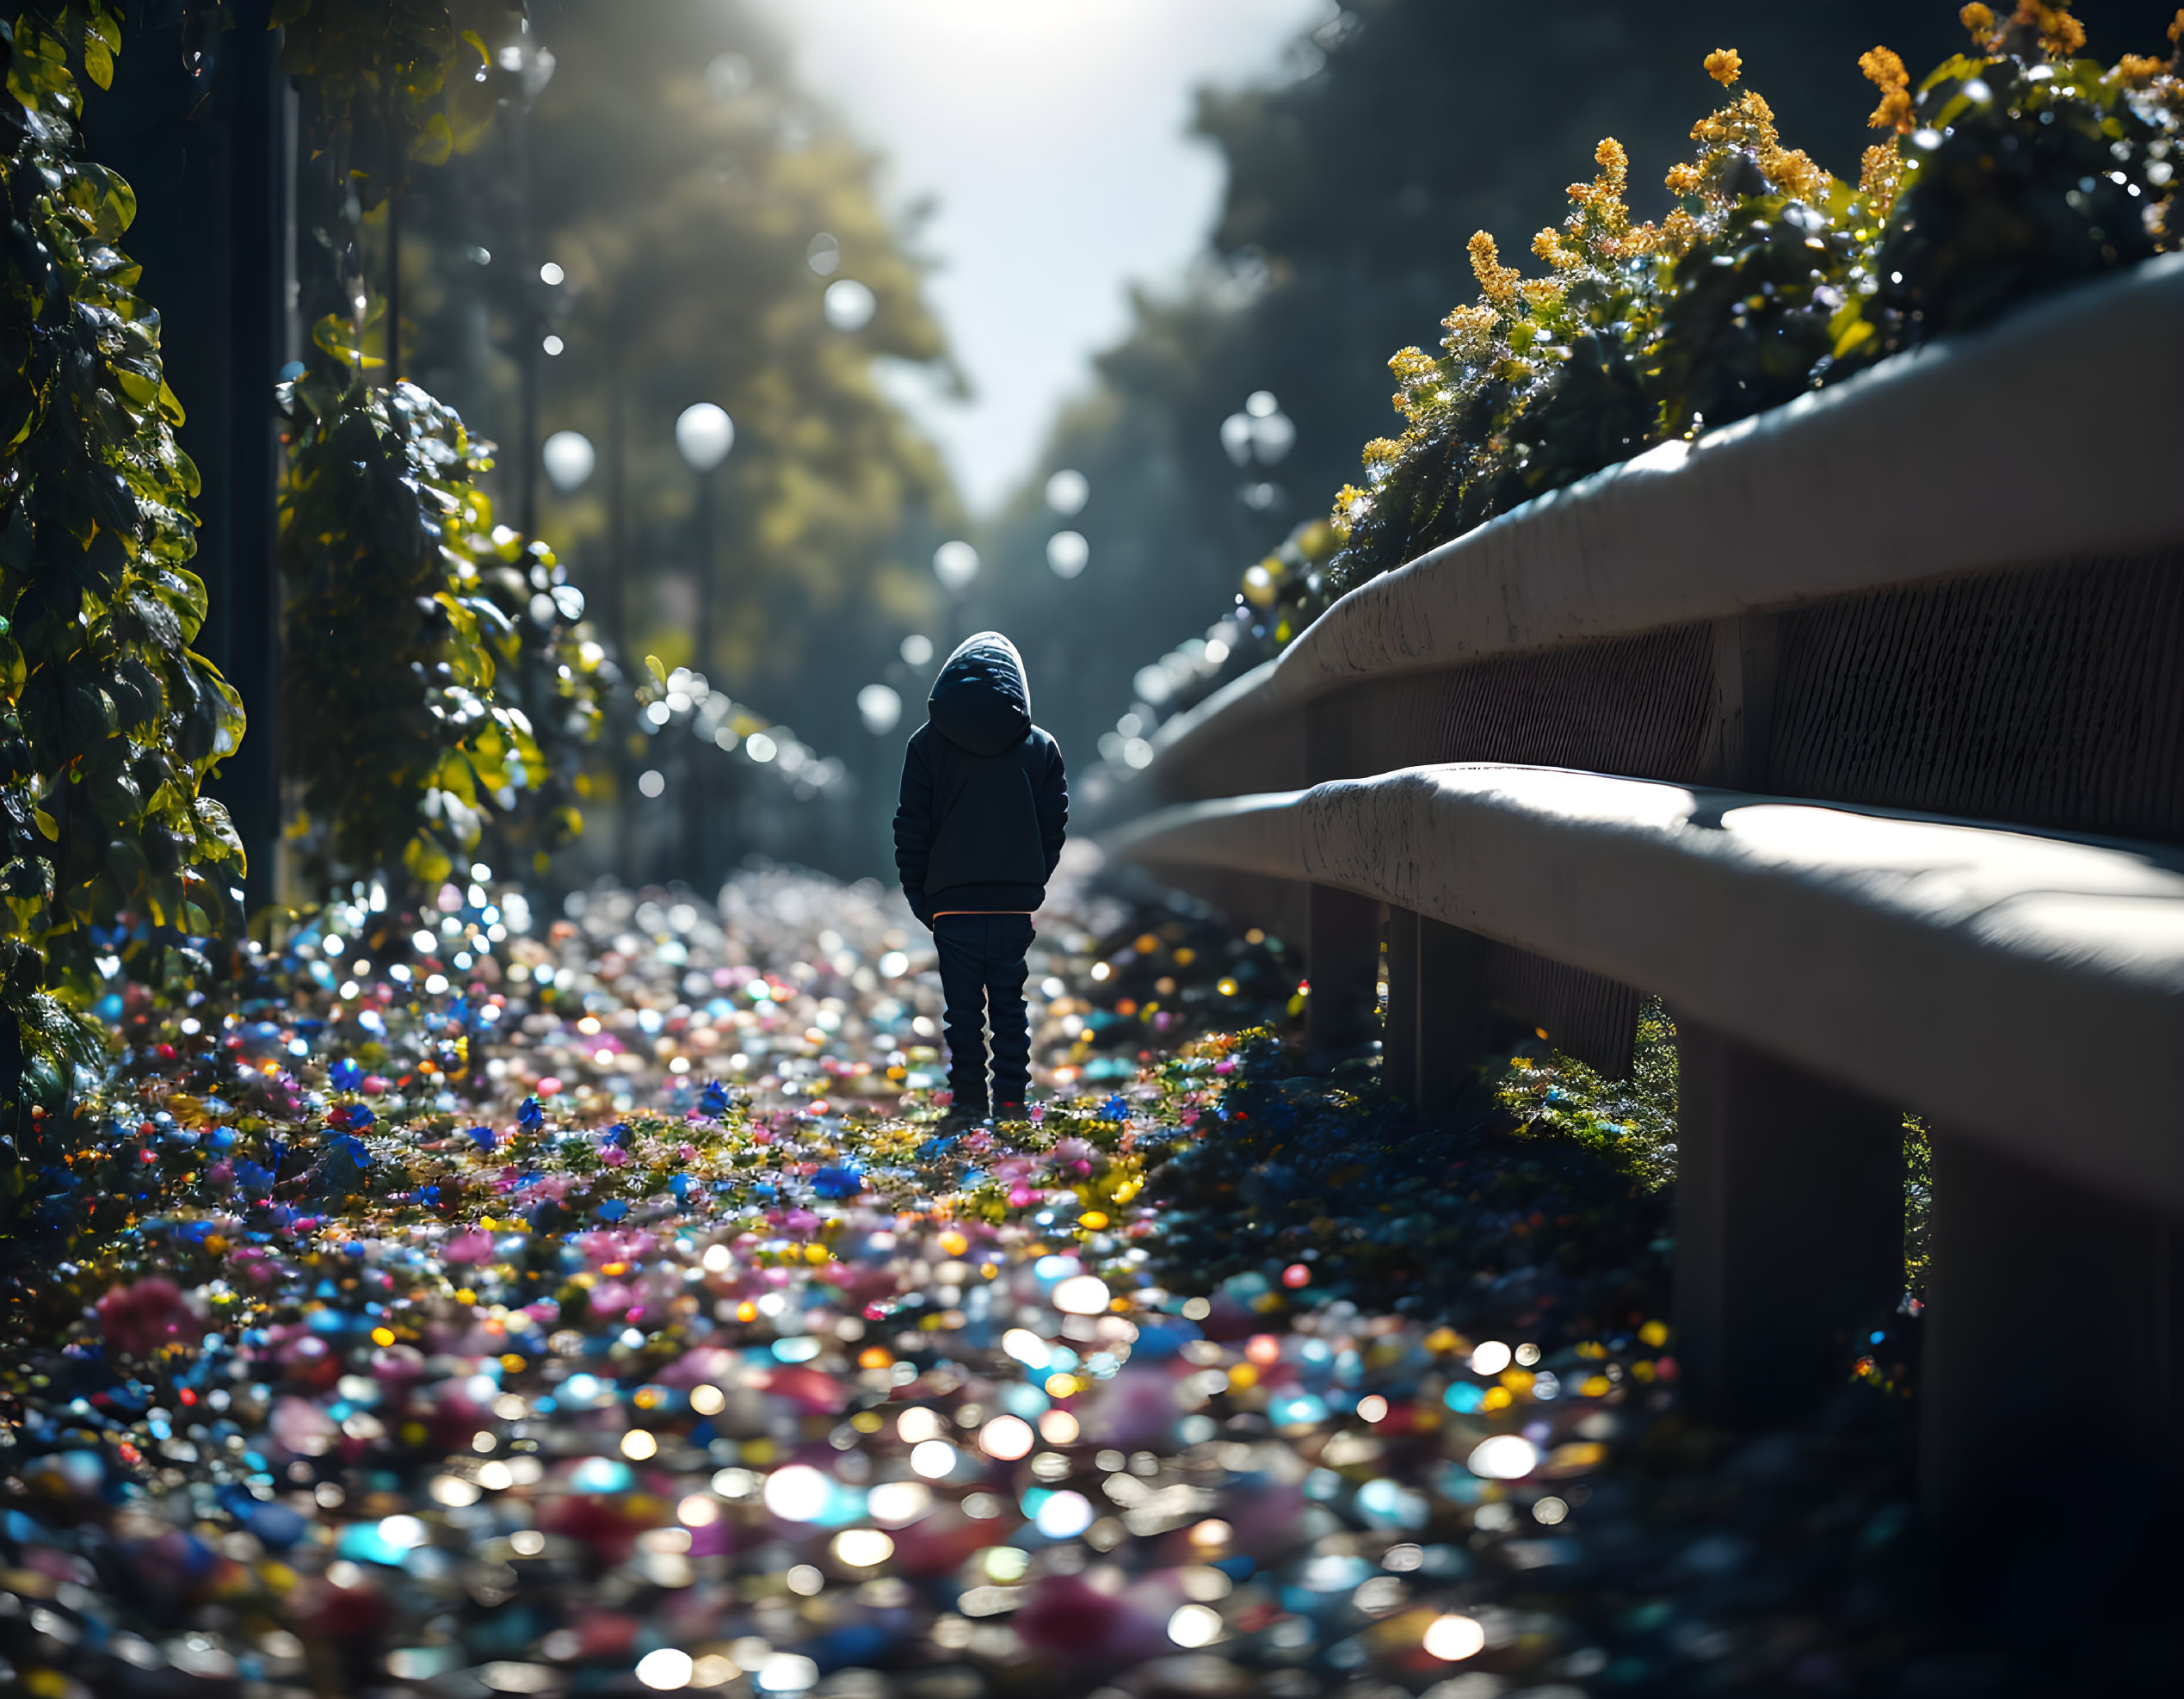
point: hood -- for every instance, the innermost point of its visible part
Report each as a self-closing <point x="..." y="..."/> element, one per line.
<point x="981" y="700"/>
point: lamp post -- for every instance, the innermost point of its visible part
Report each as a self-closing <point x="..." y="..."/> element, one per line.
<point x="880" y="707"/>
<point x="955" y="564"/>
<point x="703" y="436"/>
<point x="569" y="458"/>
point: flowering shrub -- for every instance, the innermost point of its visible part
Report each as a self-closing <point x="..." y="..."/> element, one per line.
<point x="2013" y="169"/>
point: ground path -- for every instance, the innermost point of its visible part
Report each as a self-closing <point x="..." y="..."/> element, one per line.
<point x="610" y="1320"/>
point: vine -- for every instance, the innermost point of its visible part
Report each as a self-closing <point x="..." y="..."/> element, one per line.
<point x="411" y="615"/>
<point x="396" y="82"/>
<point x="109" y="723"/>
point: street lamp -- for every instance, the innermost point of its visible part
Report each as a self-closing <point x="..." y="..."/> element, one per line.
<point x="879" y="706"/>
<point x="703" y="436"/>
<point x="955" y="564"/>
<point x="569" y="460"/>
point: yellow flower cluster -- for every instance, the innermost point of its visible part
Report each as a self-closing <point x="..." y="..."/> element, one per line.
<point x="1471" y="333"/>
<point x="1743" y="129"/>
<point x="2061" y="34"/>
<point x="1501" y="285"/>
<point x="1419" y="377"/>
<point x="1880" y="174"/>
<point x="1884" y="68"/>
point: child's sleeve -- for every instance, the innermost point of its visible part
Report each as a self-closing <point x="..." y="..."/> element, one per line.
<point x="914" y="829"/>
<point x="1053" y="808"/>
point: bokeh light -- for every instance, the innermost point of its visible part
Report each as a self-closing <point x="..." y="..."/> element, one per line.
<point x="955" y="564"/>
<point x="1067" y="492"/>
<point x="1454" y="1638"/>
<point x="1068" y="554"/>
<point x="569" y="458"/>
<point x="849" y="305"/>
<point x="703" y="436"/>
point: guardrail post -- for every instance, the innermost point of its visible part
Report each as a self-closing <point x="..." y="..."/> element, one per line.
<point x="1441" y="1016"/>
<point x="1748" y="653"/>
<point x="2033" y="1275"/>
<point x="1456" y="1019"/>
<point x="1789" y="1227"/>
<point x="1343" y="957"/>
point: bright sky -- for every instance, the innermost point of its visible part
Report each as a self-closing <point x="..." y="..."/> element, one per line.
<point x="1052" y="134"/>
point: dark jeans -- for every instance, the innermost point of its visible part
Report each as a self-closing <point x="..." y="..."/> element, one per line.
<point x="982" y="977"/>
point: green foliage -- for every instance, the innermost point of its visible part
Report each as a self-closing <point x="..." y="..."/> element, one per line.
<point x="1632" y="1123"/>
<point x="679" y="178"/>
<point x="2021" y="176"/>
<point x="1918" y="1206"/>
<point x="1355" y="179"/>
<point x="2017" y="171"/>
<point x="407" y="611"/>
<point x="1469" y="1221"/>
<point x="110" y="724"/>
<point x="557" y="677"/>
<point x="397" y="81"/>
<point x="1352" y="188"/>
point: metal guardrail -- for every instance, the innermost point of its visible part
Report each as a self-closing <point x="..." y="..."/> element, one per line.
<point x="1811" y="681"/>
<point x="1965" y="971"/>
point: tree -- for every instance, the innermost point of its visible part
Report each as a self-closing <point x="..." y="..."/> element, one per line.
<point x="1355" y="186"/>
<point x="680" y="187"/>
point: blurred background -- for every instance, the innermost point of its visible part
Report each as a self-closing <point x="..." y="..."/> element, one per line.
<point x="815" y="334"/>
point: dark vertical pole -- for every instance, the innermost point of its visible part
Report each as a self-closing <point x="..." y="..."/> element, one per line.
<point x="2027" y="1262"/>
<point x="615" y="601"/>
<point x="1789" y="1228"/>
<point x="691" y="800"/>
<point x="695" y="803"/>
<point x="708" y="594"/>
<point x="526" y="516"/>
<point x="1342" y="956"/>
<point x="1456" y="1018"/>
<point x="258" y="167"/>
<point x="393" y="287"/>
<point x="527" y="318"/>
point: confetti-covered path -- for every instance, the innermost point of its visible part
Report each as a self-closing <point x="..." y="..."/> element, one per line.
<point x="482" y="1307"/>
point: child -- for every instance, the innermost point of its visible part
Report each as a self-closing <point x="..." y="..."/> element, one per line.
<point x="984" y="809"/>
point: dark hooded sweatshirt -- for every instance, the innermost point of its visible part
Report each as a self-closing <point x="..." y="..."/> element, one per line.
<point x="985" y="804"/>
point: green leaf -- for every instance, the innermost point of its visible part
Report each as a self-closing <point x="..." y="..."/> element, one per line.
<point x="428" y="864"/>
<point x="217" y="837"/>
<point x="436" y="143"/>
